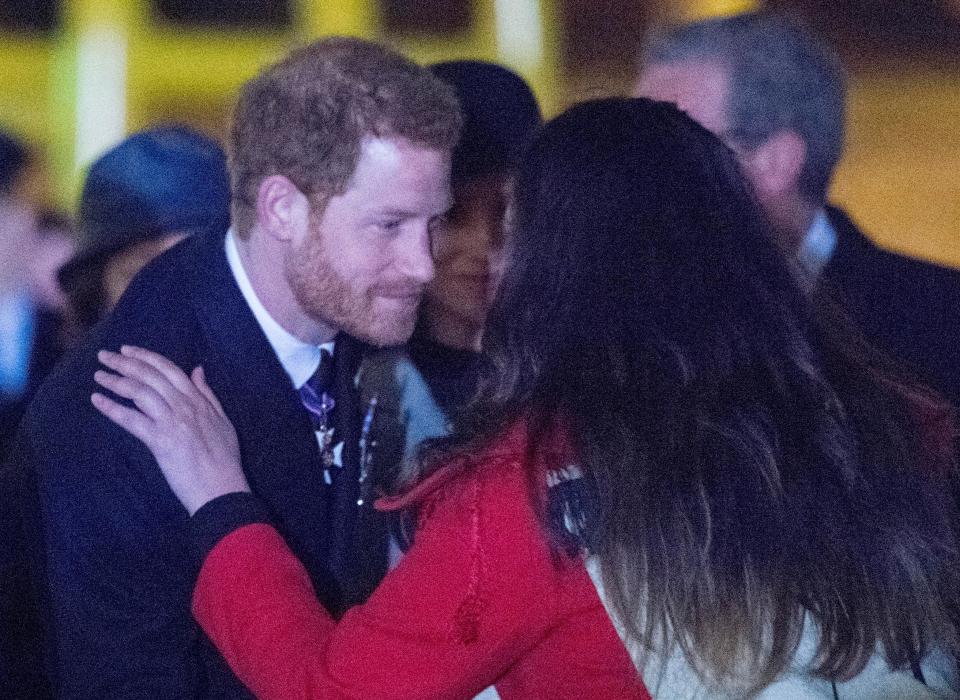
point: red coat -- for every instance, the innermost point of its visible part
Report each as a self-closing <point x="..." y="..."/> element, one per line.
<point x="480" y="599"/>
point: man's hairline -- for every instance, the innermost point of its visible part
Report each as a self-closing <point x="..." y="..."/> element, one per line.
<point x="320" y="200"/>
<point x="725" y="64"/>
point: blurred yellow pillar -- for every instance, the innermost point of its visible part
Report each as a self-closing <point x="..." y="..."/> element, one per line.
<point x="113" y="66"/>
<point x="528" y="36"/>
<point x="345" y="17"/>
<point x="90" y="82"/>
<point x="86" y="99"/>
<point x="524" y="35"/>
<point x="521" y="34"/>
<point x="691" y="10"/>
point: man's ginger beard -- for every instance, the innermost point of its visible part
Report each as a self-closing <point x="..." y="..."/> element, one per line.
<point x="329" y="298"/>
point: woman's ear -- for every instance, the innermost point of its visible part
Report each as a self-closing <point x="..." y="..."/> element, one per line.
<point x="283" y="211"/>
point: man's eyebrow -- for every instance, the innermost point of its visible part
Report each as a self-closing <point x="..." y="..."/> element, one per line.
<point x="390" y="212"/>
<point x="398" y="213"/>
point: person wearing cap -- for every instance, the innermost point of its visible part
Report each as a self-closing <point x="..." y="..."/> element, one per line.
<point x="422" y="385"/>
<point x="140" y="198"/>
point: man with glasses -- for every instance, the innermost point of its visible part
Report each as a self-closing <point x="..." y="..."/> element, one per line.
<point x="776" y="95"/>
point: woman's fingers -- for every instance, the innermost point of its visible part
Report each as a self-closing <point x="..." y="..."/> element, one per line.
<point x="199" y="378"/>
<point x="144" y="397"/>
<point x="145" y="372"/>
<point x="134" y="422"/>
<point x="176" y="376"/>
<point x="179" y="419"/>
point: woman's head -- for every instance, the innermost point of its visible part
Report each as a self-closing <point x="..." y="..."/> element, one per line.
<point x="748" y="469"/>
<point x="500" y="117"/>
<point x="141" y="197"/>
<point x="635" y="234"/>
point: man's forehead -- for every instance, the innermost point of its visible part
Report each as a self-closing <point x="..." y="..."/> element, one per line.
<point x="392" y="148"/>
<point x="698" y="86"/>
<point x="398" y="177"/>
<point x="384" y="148"/>
<point x="395" y="154"/>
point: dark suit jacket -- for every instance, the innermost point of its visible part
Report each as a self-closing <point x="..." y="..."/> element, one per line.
<point x="21" y="659"/>
<point x="118" y="570"/>
<point x="908" y="308"/>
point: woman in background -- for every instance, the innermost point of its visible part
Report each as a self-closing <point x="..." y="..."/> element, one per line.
<point x="422" y="386"/>
<point x="671" y="430"/>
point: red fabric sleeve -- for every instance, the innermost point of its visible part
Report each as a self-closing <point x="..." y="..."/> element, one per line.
<point x="476" y="592"/>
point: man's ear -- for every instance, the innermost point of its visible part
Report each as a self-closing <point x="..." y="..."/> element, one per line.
<point x="776" y="164"/>
<point x="283" y="211"/>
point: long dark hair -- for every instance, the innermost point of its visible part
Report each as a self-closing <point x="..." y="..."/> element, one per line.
<point x="752" y="473"/>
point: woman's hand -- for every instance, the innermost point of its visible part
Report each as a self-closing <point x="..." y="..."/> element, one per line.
<point x="179" y="420"/>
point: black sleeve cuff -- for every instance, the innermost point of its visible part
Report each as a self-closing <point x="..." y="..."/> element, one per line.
<point x="218" y="518"/>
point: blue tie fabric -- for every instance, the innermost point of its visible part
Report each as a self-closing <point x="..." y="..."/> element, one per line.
<point x="316" y="394"/>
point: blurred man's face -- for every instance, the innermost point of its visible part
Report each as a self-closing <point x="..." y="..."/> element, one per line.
<point x="699" y="87"/>
<point x="362" y="264"/>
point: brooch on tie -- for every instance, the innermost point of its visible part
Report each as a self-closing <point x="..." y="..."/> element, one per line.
<point x="321" y="408"/>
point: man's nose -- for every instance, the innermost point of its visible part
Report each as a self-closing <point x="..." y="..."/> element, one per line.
<point x="416" y="258"/>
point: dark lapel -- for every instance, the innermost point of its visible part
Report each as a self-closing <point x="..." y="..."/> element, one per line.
<point x="853" y="258"/>
<point x="909" y="308"/>
<point x="358" y="535"/>
<point x="277" y="444"/>
<point x="48" y="346"/>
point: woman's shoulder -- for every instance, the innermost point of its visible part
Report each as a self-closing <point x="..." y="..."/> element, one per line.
<point x="499" y="464"/>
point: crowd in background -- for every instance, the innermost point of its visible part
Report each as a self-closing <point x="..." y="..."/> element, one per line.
<point x="796" y="380"/>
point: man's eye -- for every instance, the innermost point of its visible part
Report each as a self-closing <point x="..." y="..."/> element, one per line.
<point x="391" y="225"/>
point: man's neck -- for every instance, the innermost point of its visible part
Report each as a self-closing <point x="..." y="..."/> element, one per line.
<point x="262" y="261"/>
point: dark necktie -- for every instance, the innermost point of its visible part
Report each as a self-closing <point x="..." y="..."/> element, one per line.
<point x="316" y="395"/>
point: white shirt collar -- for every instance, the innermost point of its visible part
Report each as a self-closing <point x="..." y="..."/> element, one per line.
<point x="299" y="359"/>
<point x="818" y="244"/>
